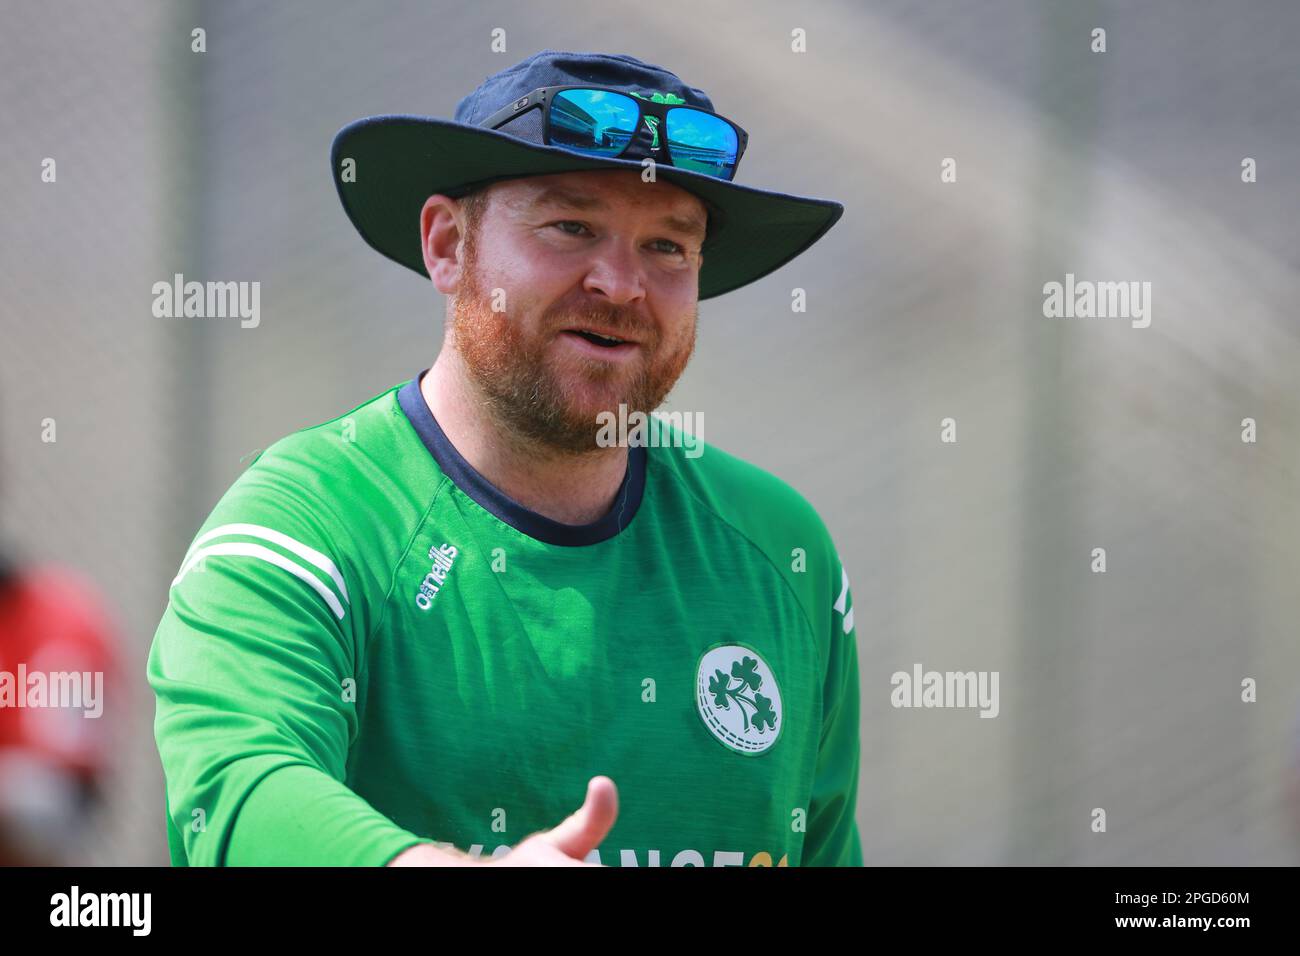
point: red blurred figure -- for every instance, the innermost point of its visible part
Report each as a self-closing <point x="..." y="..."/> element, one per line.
<point x="53" y="758"/>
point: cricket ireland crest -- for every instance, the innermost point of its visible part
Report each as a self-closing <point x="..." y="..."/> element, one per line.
<point x="738" y="699"/>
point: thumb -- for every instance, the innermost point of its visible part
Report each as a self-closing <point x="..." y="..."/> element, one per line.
<point x="583" y="830"/>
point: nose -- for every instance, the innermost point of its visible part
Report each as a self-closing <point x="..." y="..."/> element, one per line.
<point x="616" y="273"/>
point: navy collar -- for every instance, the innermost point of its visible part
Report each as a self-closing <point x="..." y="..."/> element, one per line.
<point x="497" y="502"/>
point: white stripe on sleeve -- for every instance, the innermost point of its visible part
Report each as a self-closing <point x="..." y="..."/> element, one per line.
<point x="303" y="551"/>
<point x="248" y="549"/>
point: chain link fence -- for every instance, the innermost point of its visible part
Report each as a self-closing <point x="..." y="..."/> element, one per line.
<point x="1119" y="691"/>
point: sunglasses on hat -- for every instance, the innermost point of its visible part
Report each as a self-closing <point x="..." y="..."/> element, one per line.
<point x="604" y="121"/>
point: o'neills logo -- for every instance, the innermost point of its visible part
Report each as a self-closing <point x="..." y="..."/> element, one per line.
<point x="442" y="559"/>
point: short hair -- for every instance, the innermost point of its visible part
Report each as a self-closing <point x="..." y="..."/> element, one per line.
<point x="474" y="205"/>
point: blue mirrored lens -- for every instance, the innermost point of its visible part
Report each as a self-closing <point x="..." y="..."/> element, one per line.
<point x="597" y="122"/>
<point x="702" y="142"/>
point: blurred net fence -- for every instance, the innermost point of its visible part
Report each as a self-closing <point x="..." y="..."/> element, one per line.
<point x="1119" y="690"/>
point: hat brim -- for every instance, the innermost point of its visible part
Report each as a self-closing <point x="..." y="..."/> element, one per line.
<point x="400" y="161"/>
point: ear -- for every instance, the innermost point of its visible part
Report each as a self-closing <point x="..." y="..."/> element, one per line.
<point x="441" y="224"/>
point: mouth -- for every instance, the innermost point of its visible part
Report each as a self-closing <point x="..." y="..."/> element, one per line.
<point x="603" y="339"/>
<point x="600" y="345"/>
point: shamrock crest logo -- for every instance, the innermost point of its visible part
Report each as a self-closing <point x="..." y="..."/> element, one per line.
<point x="745" y="671"/>
<point x="738" y="698"/>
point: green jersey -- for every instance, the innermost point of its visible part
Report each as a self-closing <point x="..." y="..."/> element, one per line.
<point x="368" y="646"/>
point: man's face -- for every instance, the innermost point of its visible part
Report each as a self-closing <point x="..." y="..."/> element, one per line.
<point x="565" y="254"/>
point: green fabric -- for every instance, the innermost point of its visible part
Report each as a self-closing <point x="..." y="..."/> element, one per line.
<point x="489" y="686"/>
<point x="656" y="97"/>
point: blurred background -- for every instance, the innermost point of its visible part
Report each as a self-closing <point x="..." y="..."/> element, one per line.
<point x="1119" y="690"/>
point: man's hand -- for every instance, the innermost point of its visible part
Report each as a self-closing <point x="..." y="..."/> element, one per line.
<point x="565" y="845"/>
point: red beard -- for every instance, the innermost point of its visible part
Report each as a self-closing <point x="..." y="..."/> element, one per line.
<point x="555" y="400"/>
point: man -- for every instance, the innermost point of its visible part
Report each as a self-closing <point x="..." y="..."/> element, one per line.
<point x="415" y="634"/>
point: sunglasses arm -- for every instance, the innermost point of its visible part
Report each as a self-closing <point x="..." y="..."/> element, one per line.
<point x="517" y="108"/>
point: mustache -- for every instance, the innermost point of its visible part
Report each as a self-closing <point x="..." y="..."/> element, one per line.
<point x="615" y="320"/>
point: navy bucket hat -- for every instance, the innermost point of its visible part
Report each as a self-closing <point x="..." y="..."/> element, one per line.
<point x="400" y="161"/>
